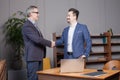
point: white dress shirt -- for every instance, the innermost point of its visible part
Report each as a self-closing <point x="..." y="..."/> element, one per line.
<point x="33" y="22"/>
<point x="70" y="37"/>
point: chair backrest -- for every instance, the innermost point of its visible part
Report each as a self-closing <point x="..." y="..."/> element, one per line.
<point x="3" y="70"/>
<point x="46" y="63"/>
<point x="112" y="65"/>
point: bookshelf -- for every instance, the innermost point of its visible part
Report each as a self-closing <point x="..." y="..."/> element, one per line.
<point x="101" y="50"/>
<point x="115" y="46"/>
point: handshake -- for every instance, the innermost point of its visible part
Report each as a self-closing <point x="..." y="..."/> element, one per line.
<point x="52" y="44"/>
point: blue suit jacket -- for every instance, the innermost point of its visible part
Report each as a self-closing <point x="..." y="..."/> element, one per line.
<point x="35" y="44"/>
<point x="80" y="38"/>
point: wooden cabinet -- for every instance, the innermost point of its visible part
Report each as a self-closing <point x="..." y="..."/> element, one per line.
<point x="101" y="51"/>
<point x="115" y="47"/>
<point x="57" y="52"/>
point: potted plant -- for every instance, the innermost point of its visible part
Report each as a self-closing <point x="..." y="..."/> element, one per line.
<point x="13" y="37"/>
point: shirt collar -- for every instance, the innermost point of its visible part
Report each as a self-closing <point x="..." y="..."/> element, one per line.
<point x="33" y="22"/>
<point x="73" y="25"/>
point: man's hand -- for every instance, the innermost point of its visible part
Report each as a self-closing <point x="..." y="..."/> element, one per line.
<point x="82" y="57"/>
<point x="52" y="44"/>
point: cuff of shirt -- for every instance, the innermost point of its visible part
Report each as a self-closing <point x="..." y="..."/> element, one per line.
<point x="83" y="56"/>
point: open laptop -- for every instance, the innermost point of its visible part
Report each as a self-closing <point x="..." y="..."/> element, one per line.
<point x="72" y="65"/>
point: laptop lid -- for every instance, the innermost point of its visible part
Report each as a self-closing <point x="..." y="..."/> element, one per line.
<point x="72" y="65"/>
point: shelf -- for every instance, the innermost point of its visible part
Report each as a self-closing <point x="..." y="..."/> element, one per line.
<point x="116" y="52"/>
<point x="61" y="46"/>
<point x="116" y="59"/>
<point x="58" y="37"/>
<point x="58" y="63"/>
<point x="97" y="36"/>
<point x="115" y="36"/>
<point x="115" y="44"/>
<point x="97" y="53"/>
<point x="99" y="44"/>
<point x="60" y="53"/>
<point x="95" y="61"/>
<point x="90" y="61"/>
<point x="92" y="53"/>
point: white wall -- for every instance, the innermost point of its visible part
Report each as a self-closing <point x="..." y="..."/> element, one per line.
<point x="98" y="15"/>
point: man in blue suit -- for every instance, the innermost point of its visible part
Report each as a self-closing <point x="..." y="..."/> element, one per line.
<point x="75" y="37"/>
<point x="35" y="44"/>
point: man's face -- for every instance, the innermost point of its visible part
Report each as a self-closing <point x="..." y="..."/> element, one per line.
<point x="34" y="14"/>
<point x="71" y="17"/>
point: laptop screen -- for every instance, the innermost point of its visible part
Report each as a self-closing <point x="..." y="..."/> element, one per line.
<point x="72" y="65"/>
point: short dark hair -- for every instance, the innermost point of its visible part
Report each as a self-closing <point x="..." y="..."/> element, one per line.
<point x="75" y="11"/>
<point x="29" y="10"/>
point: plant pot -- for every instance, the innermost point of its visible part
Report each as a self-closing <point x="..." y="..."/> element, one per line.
<point x="17" y="64"/>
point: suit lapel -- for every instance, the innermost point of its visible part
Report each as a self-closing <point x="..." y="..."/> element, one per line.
<point x="66" y="35"/>
<point x="38" y="30"/>
<point x="33" y="26"/>
<point x="75" y="32"/>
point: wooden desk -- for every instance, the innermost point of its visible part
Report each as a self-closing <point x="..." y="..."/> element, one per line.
<point x="54" y="74"/>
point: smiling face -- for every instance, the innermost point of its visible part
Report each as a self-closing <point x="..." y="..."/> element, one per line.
<point x="71" y="17"/>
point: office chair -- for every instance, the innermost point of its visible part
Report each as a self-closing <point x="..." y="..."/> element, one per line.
<point x="46" y="63"/>
<point x="112" y="65"/>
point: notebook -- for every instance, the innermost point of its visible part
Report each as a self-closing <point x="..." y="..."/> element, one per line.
<point x="98" y="73"/>
<point x="72" y="65"/>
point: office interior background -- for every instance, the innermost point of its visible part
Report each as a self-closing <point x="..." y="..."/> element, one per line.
<point x="98" y="15"/>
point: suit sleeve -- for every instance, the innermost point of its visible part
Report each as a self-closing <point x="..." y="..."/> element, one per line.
<point x="87" y="41"/>
<point x="60" y="41"/>
<point x="34" y="37"/>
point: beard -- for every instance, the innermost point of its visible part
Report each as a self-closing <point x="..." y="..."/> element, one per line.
<point x="68" y="20"/>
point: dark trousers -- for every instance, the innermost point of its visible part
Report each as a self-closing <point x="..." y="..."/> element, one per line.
<point x="32" y="67"/>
